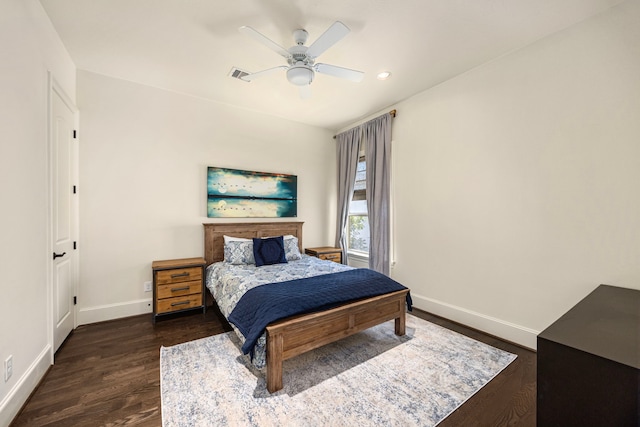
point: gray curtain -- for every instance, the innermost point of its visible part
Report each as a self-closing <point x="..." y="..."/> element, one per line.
<point x="348" y="148"/>
<point x="377" y="140"/>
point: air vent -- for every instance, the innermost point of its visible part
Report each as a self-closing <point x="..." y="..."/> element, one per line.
<point x="237" y="73"/>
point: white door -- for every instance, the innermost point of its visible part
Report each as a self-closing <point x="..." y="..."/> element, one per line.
<point x="64" y="214"/>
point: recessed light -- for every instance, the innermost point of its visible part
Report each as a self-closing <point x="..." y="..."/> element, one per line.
<point x="384" y="75"/>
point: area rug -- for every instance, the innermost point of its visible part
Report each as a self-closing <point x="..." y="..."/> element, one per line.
<point x="373" y="378"/>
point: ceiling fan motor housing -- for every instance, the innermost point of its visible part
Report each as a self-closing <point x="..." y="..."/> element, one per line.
<point x="300" y="36"/>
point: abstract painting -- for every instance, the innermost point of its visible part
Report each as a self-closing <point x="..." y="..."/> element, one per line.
<point x="233" y="193"/>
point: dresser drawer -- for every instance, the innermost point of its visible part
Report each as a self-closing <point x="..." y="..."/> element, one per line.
<point x="168" y="305"/>
<point x="179" y="289"/>
<point x="178" y="275"/>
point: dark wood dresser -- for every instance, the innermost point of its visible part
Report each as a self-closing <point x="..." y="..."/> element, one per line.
<point x="588" y="362"/>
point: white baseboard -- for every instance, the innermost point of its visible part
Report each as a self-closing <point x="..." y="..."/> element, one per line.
<point x="101" y="313"/>
<point x="508" y="331"/>
<point x="18" y="395"/>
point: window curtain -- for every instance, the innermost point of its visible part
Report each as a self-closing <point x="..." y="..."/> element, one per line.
<point x="377" y="140"/>
<point x="348" y="148"/>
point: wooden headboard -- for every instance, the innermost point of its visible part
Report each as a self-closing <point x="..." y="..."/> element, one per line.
<point x="214" y="234"/>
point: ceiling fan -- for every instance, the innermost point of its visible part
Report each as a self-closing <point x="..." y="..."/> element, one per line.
<point x="301" y="59"/>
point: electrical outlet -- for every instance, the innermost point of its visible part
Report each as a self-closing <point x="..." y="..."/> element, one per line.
<point x="8" y="368"/>
<point x="147" y="286"/>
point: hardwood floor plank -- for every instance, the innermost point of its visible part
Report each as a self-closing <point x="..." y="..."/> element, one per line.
<point x="108" y="374"/>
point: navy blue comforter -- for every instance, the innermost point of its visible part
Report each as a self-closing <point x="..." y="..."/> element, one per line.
<point x="267" y="303"/>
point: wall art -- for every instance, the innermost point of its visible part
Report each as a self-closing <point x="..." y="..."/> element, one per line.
<point x="233" y="193"/>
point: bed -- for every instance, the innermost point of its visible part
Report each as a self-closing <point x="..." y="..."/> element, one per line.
<point x="294" y="335"/>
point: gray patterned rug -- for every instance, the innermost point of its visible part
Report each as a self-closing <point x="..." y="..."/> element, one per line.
<point x="372" y="378"/>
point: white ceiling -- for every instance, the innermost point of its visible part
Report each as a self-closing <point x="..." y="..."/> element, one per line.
<point x="190" y="46"/>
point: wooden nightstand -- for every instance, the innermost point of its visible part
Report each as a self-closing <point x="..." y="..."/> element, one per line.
<point x="326" y="252"/>
<point x="178" y="285"/>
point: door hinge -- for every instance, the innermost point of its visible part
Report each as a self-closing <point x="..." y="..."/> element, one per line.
<point x="75" y="245"/>
<point x="74" y="189"/>
<point x="74" y="134"/>
<point x="75" y="300"/>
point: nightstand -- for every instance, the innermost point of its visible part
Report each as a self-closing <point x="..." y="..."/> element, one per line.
<point x="178" y="285"/>
<point x="326" y="252"/>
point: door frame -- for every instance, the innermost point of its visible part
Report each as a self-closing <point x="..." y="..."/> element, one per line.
<point x="55" y="89"/>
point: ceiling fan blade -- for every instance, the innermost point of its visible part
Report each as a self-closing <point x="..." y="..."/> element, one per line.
<point x="330" y="37"/>
<point x="343" y="73"/>
<point x="265" y="41"/>
<point x="250" y="77"/>
<point x="304" y="91"/>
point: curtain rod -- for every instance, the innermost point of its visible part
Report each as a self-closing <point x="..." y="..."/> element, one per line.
<point x="392" y="112"/>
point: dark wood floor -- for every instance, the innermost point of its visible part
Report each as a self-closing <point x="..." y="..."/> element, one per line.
<point x="108" y="374"/>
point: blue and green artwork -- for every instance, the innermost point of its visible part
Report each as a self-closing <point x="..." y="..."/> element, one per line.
<point x="233" y="193"/>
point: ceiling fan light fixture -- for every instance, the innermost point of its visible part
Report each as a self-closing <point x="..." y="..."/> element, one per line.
<point x="300" y="75"/>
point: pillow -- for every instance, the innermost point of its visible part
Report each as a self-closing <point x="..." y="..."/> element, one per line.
<point x="228" y="239"/>
<point x="239" y="252"/>
<point x="291" y="249"/>
<point x="269" y="251"/>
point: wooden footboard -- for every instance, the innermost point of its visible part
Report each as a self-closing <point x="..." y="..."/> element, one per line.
<point x="293" y="336"/>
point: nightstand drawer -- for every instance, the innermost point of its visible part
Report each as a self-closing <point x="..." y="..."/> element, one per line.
<point x="179" y="275"/>
<point x="179" y="303"/>
<point x="327" y="253"/>
<point x="179" y="289"/>
<point x="335" y="257"/>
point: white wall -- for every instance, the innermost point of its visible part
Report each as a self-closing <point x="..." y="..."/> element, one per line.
<point x="144" y="153"/>
<point x="516" y="185"/>
<point x="29" y="48"/>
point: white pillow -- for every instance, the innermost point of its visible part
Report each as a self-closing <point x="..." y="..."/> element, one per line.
<point x="228" y="239"/>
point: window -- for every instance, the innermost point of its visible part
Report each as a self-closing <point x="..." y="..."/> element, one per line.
<point x="358" y="218"/>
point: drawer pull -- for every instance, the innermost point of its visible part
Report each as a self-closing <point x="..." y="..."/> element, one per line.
<point x="184" y="288"/>
<point x="175" y="276"/>
<point x="173" y="304"/>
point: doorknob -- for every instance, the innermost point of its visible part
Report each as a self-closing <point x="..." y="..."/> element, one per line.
<point x="55" y="255"/>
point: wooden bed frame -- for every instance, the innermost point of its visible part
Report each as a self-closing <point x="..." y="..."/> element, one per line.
<point x="298" y="334"/>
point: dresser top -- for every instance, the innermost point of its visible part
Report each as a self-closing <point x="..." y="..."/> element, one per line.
<point x="605" y="323"/>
